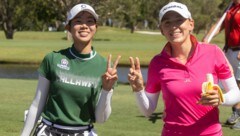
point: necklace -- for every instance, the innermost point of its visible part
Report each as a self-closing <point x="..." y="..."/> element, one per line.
<point x="183" y="58"/>
<point x="179" y="58"/>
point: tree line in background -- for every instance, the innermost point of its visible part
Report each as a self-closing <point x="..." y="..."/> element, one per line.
<point x="45" y="15"/>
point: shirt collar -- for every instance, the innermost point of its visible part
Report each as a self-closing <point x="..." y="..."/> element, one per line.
<point x="78" y="55"/>
<point x="167" y="48"/>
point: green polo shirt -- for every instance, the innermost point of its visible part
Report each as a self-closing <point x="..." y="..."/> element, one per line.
<point x="75" y="84"/>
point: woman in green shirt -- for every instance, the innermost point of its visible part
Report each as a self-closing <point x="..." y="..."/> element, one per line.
<point x="75" y="84"/>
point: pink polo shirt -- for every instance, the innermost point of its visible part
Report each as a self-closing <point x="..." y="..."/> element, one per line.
<point x="181" y="89"/>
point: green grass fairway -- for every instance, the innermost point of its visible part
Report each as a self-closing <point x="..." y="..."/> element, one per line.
<point x="125" y="120"/>
<point x="31" y="47"/>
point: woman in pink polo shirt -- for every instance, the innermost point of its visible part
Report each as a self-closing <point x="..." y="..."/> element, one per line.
<point x="178" y="73"/>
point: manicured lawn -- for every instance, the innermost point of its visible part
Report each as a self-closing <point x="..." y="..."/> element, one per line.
<point x="31" y="47"/>
<point x="125" y="120"/>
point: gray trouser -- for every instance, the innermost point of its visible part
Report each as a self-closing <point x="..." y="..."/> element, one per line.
<point x="232" y="57"/>
<point x="46" y="130"/>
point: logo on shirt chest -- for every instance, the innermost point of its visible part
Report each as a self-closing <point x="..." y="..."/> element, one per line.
<point x="64" y="64"/>
<point x="78" y="80"/>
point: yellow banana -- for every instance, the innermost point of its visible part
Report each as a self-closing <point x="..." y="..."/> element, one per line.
<point x="209" y="85"/>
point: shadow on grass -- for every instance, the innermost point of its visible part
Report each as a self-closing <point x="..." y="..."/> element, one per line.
<point x="154" y="117"/>
<point x="226" y="125"/>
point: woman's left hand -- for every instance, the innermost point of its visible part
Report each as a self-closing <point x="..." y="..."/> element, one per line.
<point x="211" y="98"/>
<point x="110" y="76"/>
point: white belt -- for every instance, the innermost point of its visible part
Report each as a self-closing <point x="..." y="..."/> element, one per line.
<point x="67" y="127"/>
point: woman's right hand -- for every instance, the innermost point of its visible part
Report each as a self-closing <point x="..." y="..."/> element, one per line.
<point x="135" y="75"/>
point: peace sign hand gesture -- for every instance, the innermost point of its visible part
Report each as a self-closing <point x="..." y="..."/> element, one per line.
<point x="135" y="75"/>
<point x="110" y="76"/>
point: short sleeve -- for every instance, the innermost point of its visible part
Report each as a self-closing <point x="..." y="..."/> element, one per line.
<point x="45" y="67"/>
<point x="222" y="65"/>
<point x="153" y="83"/>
